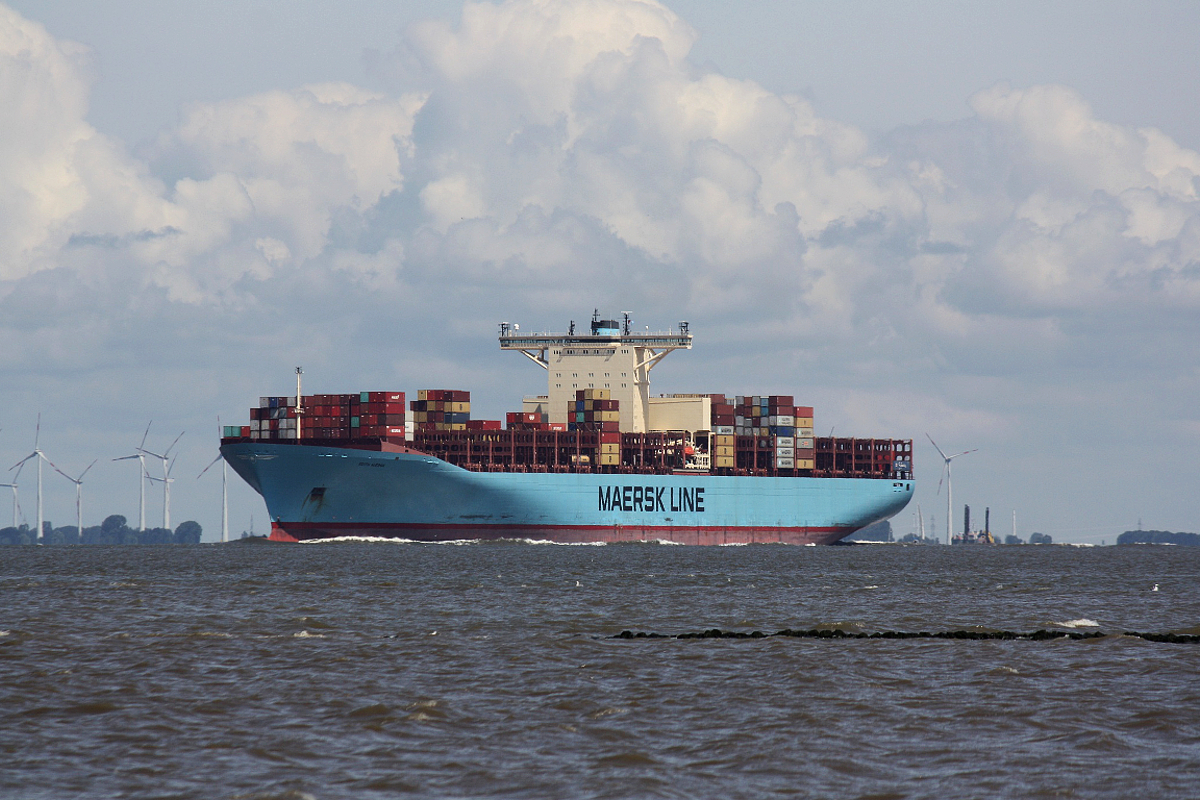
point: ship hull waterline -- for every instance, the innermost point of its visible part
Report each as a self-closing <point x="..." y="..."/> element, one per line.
<point x="315" y="492"/>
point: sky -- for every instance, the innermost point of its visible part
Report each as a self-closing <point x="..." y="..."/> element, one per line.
<point x="974" y="222"/>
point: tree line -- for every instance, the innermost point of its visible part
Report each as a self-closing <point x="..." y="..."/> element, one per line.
<point x="113" y="530"/>
<point x="1159" y="537"/>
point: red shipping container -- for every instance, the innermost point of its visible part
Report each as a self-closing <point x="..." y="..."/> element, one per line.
<point x="394" y="431"/>
<point x="245" y="431"/>
<point x="804" y="411"/>
<point x="555" y="426"/>
<point x="608" y="437"/>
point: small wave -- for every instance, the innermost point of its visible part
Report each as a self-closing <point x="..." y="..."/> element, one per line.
<point x="559" y="544"/>
<point x="5" y="633"/>
<point x="376" y="539"/>
<point x="1078" y="623"/>
<point x="611" y="711"/>
<point x="872" y="586"/>
<point x="307" y="635"/>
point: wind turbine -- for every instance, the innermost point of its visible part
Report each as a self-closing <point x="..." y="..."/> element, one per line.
<point x="224" y="495"/>
<point x="78" y="496"/>
<point x="949" y="485"/>
<point x="166" y="479"/>
<point x="40" y="456"/>
<point x="140" y="455"/>
<point x="16" y="505"/>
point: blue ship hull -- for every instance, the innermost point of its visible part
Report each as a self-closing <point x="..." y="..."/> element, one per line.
<point x="316" y="492"/>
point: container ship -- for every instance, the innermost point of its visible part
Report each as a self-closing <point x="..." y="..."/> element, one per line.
<point x="595" y="459"/>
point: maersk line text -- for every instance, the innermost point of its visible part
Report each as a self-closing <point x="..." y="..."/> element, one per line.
<point x="651" y="498"/>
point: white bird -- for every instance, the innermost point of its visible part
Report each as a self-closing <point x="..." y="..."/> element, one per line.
<point x="1155" y="589"/>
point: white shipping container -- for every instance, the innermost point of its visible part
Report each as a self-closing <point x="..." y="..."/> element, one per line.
<point x="287" y="424"/>
<point x="785" y="441"/>
<point x="291" y="401"/>
<point x="804" y="432"/>
<point x="784" y="452"/>
<point x="786" y="421"/>
<point x="723" y="430"/>
<point x="255" y="425"/>
<point x="739" y="421"/>
<point x="785" y="463"/>
<point x="264" y="402"/>
<point x="287" y="434"/>
<point x="804" y="444"/>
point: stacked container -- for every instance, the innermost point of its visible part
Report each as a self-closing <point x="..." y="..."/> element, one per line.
<point x="441" y="410"/>
<point x="723" y="415"/>
<point x="805" y="452"/>
<point x="525" y="421"/>
<point x="274" y="420"/>
<point x="377" y="415"/>
<point x="594" y="410"/>
<point x="773" y="427"/>
<point x="329" y="417"/>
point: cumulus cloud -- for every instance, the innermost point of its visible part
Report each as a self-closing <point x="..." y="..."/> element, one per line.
<point x="590" y="115"/>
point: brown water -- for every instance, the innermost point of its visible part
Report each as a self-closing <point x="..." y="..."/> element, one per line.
<point x="485" y="670"/>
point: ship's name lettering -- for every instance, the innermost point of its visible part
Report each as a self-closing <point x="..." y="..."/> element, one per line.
<point x="651" y="499"/>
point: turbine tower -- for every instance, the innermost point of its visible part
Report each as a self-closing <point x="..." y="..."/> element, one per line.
<point x="140" y="455"/>
<point x="40" y="456"/>
<point x="78" y="496"/>
<point x="166" y="480"/>
<point x="224" y="495"/>
<point x="949" y="486"/>
<point x="16" y="505"/>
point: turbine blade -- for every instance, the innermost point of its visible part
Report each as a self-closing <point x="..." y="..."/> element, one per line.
<point x="21" y="463"/>
<point x="85" y="472"/>
<point x="963" y="453"/>
<point x="177" y="438"/>
<point x="215" y="460"/>
<point x="56" y="469"/>
<point x="37" y="437"/>
<point x="144" y="435"/>
<point x="935" y="445"/>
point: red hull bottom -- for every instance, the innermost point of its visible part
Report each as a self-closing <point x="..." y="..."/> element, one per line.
<point x="582" y="534"/>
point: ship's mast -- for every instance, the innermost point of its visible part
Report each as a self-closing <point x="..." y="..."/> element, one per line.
<point x="299" y="404"/>
<point x="610" y="356"/>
